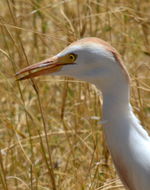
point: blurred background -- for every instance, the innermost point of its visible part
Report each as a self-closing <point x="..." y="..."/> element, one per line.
<point x="50" y="137"/>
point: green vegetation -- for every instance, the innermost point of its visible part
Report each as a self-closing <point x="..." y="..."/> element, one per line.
<point x="49" y="133"/>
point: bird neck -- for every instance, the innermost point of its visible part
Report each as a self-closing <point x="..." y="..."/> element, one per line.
<point x="116" y="100"/>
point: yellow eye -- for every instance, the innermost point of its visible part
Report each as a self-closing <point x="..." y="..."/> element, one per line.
<point x="69" y="58"/>
<point x="72" y="57"/>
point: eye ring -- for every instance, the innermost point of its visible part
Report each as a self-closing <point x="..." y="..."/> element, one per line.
<point x="72" y="56"/>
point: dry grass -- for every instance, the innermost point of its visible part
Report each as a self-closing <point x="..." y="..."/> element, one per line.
<point x="49" y="138"/>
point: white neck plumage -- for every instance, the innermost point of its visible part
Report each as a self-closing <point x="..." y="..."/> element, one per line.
<point x="125" y="136"/>
<point x="116" y="100"/>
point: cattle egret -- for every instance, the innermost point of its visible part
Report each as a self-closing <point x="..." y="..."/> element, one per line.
<point x="95" y="61"/>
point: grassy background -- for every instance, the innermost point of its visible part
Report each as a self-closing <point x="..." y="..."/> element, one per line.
<point x="49" y="133"/>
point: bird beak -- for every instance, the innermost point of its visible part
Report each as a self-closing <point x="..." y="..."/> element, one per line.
<point x="42" y="68"/>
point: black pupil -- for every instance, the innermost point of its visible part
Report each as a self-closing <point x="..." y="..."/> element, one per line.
<point x="71" y="57"/>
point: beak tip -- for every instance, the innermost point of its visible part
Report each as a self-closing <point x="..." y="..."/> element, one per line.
<point x="37" y="69"/>
<point x="19" y="79"/>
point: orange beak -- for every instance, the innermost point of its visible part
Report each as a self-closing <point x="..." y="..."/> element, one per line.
<point x="42" y="68"/>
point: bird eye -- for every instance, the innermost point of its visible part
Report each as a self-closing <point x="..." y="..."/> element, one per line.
<point x="72" y="57"/>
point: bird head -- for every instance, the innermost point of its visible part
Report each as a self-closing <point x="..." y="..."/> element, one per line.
<point x="89" y="59"/>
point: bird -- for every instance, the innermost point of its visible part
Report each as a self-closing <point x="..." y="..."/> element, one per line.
<point x="93" y="60"/>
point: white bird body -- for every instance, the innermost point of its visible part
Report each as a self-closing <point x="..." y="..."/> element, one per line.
<point x="95" y="61"/>
<point x="129" y="145"/>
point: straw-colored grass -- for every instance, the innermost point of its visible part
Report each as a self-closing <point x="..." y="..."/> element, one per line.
<point x="49" y="132"/>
